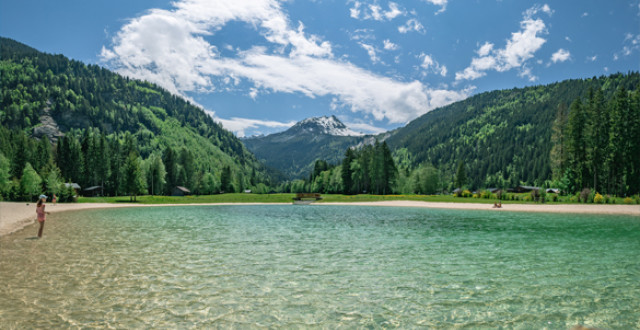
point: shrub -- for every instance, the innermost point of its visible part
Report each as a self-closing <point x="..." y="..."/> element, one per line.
<point x="554" y="197"/>
<point x="500" y="195"/>
<point x="584" y="195"/>
<point x="574" y="199"/>
<point x="607" y="199"/>
<point x="637" y="198"/>
<point x="527" y="198"/>
<point x="628" y="200"/>
<point x="535" y="195"/>
<point x="487" y="194"/>
<point x="598" y="199"/>
<point x="466" y="193"/>
<point x="476" y="196"/>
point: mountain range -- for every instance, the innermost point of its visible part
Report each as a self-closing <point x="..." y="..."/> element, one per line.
<point x="293" y="152"/>
<point x="500" y="136"/>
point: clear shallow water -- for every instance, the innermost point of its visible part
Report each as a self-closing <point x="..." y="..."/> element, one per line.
<point x="321" y="266"/>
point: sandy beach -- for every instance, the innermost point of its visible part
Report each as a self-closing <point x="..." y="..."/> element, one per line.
<point x="17" y="215"/>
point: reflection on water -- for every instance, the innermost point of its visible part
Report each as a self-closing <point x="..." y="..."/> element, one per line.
<point x="326" y="266"/>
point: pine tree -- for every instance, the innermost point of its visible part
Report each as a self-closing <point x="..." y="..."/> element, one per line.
<point x="558" y="155"/>
<point x="634" y="139"/>
<point x="389" y="169"/>
<point x="461" y="176"/>
<point x="5" y="175"/>
<point x="617" y="142"/>
<point x="598" y="137"/>
<point x="225" y="180"/>
<point x="577" y="145"/>
<point x="170" y="165"/>
<point x="347" y="181"/>
<point x="188" y="164"/>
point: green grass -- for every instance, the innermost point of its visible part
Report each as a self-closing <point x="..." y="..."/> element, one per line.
<point x="327" y="198"/>
<point x="223" y="198"/>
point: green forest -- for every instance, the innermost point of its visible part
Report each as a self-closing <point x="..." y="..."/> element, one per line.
<point x="62" y="121"/>
<point x="574" y="135"/>
<point x="105" y="125"/>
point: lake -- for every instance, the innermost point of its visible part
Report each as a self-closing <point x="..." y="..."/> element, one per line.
<point x="321" y="266"/>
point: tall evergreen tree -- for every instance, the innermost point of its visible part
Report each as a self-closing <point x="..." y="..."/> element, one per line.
<point x="461" y="176"/>
<point x="347" y="181"/>
<point x="225" y="180"/>
<point x="617" y="132"/>
<point x="577" y="146"/>
<point x="171" y="167"/>
<point x="598" y="137"/>
<point x="558" y="156"/>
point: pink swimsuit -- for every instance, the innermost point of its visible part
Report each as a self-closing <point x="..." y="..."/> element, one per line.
<point x="40" y="213"/>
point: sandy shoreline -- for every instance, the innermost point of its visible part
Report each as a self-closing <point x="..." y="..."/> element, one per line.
<point x="17" y="215"/>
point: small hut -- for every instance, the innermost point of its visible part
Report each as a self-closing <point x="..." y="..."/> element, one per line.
<point x="180" y="191"/>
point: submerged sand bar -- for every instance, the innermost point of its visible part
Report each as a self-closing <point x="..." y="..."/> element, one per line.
<point x="17" y="215"/>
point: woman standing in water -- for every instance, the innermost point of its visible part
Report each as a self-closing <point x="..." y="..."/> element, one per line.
<point x="42" y="215"/>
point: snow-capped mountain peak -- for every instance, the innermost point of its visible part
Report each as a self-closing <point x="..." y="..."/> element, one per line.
<point x="329" y="125"/>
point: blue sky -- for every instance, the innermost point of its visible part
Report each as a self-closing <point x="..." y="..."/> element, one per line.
<point x="258" y="66"/>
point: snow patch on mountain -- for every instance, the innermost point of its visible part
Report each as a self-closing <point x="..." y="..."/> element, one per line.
<point x="329" y="125"/>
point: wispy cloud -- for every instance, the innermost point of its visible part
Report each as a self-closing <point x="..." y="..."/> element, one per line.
<point x="371" y="51"/>
<point x="412" y="25"/>
<point x="631" y="44"/>
<point x="519" y="49"/>
<point x="373" y="11"/>
<point x="173" y="48"/>
<point x="441" y="3"/>
<point x="431" y="65"/>
<point x="388" y="45"/>
<point x="240" y="125"/>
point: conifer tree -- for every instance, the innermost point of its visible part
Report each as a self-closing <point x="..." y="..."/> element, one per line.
<point x="461" y="176"/>
<point x="347" y="173"/>
<point x="577" y="144"/>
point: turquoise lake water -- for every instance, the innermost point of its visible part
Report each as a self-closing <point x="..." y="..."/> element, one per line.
<point x="321" y="266"/>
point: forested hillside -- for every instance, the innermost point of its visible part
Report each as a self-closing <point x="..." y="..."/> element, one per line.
<point x="504" y="137"/>
<point x="95" y="118"/>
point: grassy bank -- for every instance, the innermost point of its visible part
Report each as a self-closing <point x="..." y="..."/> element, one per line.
<point x="327" y="198"/>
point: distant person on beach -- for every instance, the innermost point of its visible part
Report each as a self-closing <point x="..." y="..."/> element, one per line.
<point x="54" y="199"/>
<point x="42" y="215"/>
<point x="497" y="205"/>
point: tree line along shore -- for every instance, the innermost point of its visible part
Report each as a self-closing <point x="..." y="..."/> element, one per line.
<point x="595" y="159"/>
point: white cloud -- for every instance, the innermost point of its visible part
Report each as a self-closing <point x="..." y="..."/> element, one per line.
<point x="441" y="3"/>
<point x="518" y="50"/>
<point x="485" y="49"/>
<point x="560" y="56"/>
<point x="429" y="64"/>
<point x="585" y="14"/>
<point x="168" y="47"/>
<point x="631" y="43"/>
<point x="411" y="25"/>
<point x="240" y="125"/>
<point x="592" y="58"/>
<point x="374" y="11"/>
<point x="388" y="45"/>
<point x="371" y="51"/>
<point x="364" y="128"/>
